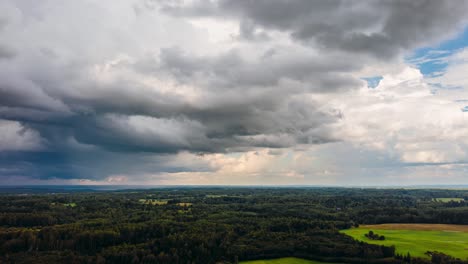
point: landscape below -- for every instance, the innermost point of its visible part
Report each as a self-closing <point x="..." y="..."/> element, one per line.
<point x="234" y="225"/>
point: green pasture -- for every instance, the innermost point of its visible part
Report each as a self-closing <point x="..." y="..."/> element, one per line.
<point x="417" y="242"/>
<point x="446" y="200"/>
<point x="152" y="201"/>
<point x="65" y="204"/>
<point x="184" y="204"/>
<point x="283" y="261"/>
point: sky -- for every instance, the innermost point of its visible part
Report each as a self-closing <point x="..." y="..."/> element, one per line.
<point x="234" y="92"/>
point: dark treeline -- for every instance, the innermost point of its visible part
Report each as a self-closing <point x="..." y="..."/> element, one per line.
<point x="214" y="225"/>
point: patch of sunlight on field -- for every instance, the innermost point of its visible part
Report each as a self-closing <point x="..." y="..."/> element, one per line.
<point x="215" y="195"/>
<point x="283" y="261"/>
<point x="446" y="200"/>
<point x="184" y="204"/>
<point x="65" y="204"/>
<point x="152" y="202"/>
<point x="449" y="239"/>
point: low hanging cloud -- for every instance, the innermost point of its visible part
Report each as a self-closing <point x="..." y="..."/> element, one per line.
<point x="86" y="88"/>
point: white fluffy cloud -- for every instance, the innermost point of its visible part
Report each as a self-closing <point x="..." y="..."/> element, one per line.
<point x="403" y="118"/>
<point x="454" y="76"/>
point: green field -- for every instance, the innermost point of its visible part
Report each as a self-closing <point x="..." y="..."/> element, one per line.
<point x="446" y="200"/>
<point x="283" y="261"/>
<point x="184" y="204"/>
<point x="215" y="195"/>
<point x="65" y="204"/>
<point x="418" y="239"/>
<point x="152" y="202"/>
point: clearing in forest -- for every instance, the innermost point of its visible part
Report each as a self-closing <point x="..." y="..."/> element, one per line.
<point x="152" y="202"/>
<point x="417" y="239"/>
<point x="283" y="261"/>
<point x="446" y="200"/>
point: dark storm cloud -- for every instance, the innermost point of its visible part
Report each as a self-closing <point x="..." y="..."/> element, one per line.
<point x="16" y="91"/>
<point x="91" y="164"/>
<point x="230" y="70"/>
<point x="380" y="28"/>
<point x="82" y="121"/>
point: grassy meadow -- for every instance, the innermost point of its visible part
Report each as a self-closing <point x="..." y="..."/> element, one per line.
<point x="184" y="204"/>
<point x="283" y="261"/>
<point x="418" y="238"/>
<point x="446" y="200"/>
<point x="64" y="204"/>
<point x="152" y="202"/>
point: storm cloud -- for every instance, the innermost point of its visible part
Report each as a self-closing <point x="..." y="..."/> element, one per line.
<point x="379" y="28"/>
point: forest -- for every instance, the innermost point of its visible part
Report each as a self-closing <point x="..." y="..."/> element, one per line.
<point x="215" y="224"/>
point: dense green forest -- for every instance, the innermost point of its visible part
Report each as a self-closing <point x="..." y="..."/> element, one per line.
<point x="215" y="225"/>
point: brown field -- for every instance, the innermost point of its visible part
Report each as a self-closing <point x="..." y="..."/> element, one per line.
<point x="425" y="227"/>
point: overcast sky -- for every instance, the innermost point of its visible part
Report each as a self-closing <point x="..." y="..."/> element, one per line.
<point x="234" y="92"/>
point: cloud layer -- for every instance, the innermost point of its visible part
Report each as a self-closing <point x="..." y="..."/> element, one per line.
<point x="224" y="91"/>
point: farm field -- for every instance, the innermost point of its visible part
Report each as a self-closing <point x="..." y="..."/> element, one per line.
<point x="418" y="238"/>
<point x="64" y="204"/>
<point x="152" y="202"/>
<point x="446" y="200"/>
<point x="283" y="261"/>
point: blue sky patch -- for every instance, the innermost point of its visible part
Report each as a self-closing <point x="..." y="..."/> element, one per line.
<point x="432" y="61"/>
<point x="372" y="82"/>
